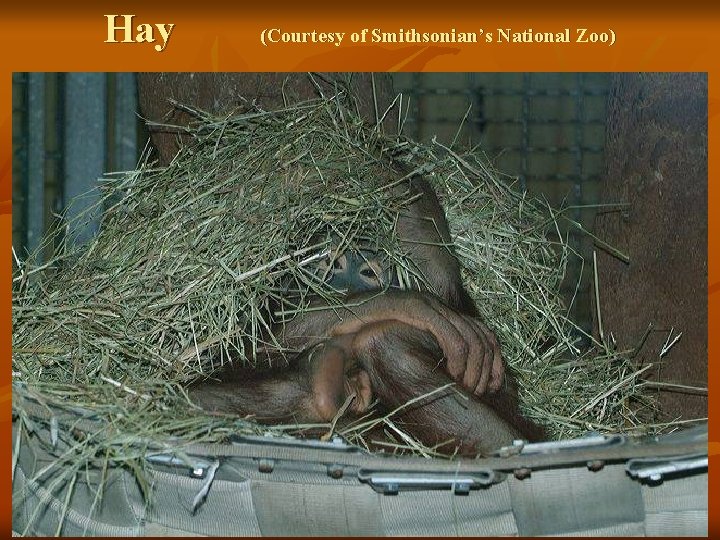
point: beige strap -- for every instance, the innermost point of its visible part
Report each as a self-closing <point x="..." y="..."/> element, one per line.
<point x="573" y="500"/>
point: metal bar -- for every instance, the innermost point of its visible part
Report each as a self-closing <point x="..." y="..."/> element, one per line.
<point x="579" y="140"/>
<point x="525" y="142"/>
<point x="655" y="470"/>
<point x="85" y="152"/>
<point x="125" y="125"/>
<point x="35" y="190"/>
<point x="19" y="161"/>
<point x="392" y="482"/>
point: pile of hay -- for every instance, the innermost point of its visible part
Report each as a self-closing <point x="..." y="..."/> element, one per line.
<point x="189" y="257"/>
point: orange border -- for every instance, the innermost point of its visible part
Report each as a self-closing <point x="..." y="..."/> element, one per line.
<point x="215" y="37"/>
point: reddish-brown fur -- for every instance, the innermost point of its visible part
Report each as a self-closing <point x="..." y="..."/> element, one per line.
<point x="392" y="346"/>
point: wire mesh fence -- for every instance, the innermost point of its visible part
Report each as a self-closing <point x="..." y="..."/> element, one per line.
<point x="547" y="130"/>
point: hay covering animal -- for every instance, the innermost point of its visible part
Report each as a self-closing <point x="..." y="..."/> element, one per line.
<point x="387" y="344"/>
<point x="233" y="253"/>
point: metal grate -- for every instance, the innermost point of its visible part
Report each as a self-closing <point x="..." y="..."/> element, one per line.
<point x="545" y="129"/>
<point x="68" y="129"/>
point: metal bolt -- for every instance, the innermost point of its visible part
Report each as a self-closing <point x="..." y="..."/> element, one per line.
<point x="335" y="471"/>
<point x="461" y="489"/>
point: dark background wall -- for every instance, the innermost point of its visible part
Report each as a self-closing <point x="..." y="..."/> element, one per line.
<point x="657" y="162"/>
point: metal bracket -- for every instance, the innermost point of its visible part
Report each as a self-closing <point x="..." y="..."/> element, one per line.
<point x="337" y="443"/>
<point x="392" y="482"/>
<point x="655" y="469"/>
<point x="197" y="469"/>
<point x="591" y="441"/>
